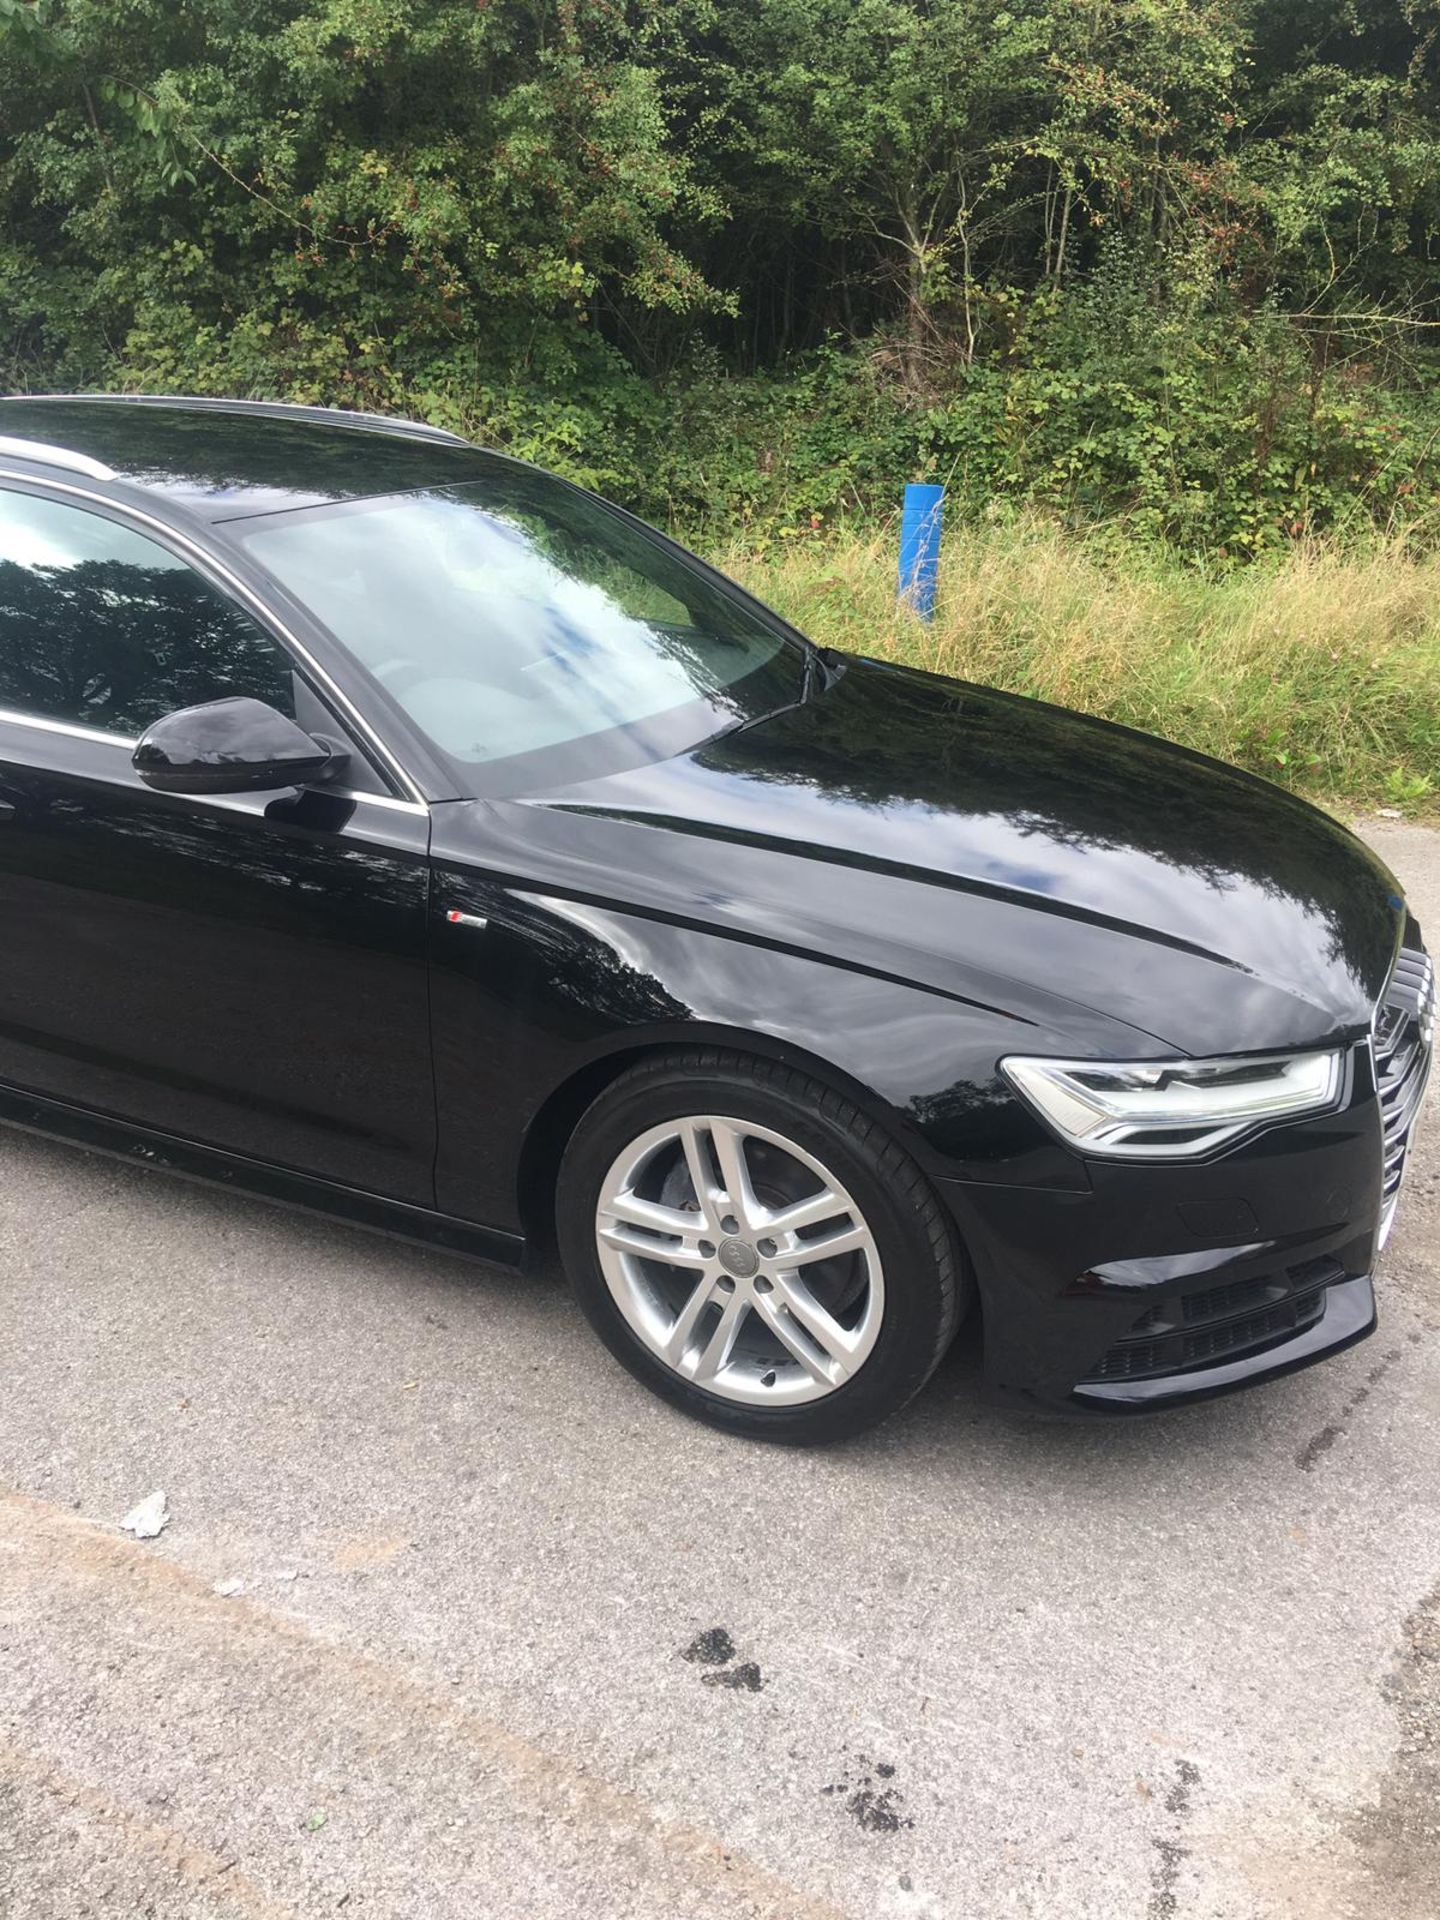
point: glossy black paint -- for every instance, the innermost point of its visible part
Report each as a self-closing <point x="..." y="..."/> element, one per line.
<point x="250" y="972"/>
<point x="885" y="879"/>
<point x="233" y="746"/>
<point x="1063" y="1282"/>
<point x="962" y="838"/>
<point x="169" y="1153"/>
<point x="217" y="464"/>
<point x="895" y="882"/>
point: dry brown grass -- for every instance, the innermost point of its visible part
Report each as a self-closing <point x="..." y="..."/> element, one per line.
<point x="1320" y="669"/>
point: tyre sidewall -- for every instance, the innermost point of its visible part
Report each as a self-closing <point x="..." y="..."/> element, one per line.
<point x="919" y="1308"/>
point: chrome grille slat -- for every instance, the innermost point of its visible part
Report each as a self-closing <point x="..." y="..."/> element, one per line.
<point x="1401" y="1038"/>
<point x="1397" y="1068"/>
<point x="1397" y="1118"/>
<point x="1413" y="968"/>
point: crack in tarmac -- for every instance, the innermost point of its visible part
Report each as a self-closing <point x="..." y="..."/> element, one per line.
<point x="1398" y="1839"/>
<point x="1320" y="1443"/>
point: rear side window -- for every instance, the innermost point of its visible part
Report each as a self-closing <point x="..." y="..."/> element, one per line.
<point x="101" y="627"/>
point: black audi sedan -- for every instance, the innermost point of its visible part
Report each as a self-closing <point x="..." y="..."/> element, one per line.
<point x="393" y="828"/>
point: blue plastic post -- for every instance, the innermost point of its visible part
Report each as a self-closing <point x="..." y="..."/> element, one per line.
<point x="920" y="547"/>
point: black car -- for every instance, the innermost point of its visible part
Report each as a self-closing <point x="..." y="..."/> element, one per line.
<point x="388" y="826"/>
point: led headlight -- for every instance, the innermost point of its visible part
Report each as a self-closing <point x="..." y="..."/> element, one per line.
<point x="1171" y="1109"/>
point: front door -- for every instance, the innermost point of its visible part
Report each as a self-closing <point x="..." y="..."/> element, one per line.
<point x="246" y="971"/>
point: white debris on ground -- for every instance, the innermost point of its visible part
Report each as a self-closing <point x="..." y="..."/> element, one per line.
<point x="148" y="1519"/>
<point x="227" y="1589"/>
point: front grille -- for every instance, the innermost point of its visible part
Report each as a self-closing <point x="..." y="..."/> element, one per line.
<point x="1222" y="1322"/>
<point x="1401" y="1040"/>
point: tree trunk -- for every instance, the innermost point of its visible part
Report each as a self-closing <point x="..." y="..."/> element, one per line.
<point x="915" y="321"/>
<point x="1064" y="233"/>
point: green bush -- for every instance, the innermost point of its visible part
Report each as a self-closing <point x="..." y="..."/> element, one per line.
<point x="744" y="265"/>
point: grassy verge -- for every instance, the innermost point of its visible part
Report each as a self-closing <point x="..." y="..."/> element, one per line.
<point x="1320" y="669"/>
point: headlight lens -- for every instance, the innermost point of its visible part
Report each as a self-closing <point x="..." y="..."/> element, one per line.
<point x="1171" y="1109"/>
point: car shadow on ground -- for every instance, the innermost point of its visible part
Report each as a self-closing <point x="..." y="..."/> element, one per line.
<point x="950" y="1429"/>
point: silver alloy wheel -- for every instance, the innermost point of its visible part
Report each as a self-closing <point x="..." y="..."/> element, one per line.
<point x="740" y="1261"/>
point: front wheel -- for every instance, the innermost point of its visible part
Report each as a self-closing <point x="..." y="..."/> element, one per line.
<point x="756" y="1249"/>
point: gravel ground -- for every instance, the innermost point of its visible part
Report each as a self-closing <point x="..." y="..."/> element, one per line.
<point x="498" y="1635"/>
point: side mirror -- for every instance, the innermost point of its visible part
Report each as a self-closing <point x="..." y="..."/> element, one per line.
<point x="232" y="746"/>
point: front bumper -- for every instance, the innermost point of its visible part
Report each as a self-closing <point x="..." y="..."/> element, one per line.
<point x="1168" y="1283"/>
<point x="1347" y="1314"/>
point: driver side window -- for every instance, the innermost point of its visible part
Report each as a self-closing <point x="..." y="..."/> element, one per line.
<point x="102" y="627"/>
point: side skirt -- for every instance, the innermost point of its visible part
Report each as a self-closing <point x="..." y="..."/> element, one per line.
<point x="142" y="1147"/>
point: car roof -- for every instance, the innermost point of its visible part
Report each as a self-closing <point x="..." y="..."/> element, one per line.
<point x="228" y="459"/>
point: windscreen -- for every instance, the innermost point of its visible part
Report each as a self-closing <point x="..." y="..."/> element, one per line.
<point x="516" y="618"/>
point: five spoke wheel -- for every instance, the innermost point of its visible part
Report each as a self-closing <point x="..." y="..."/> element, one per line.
<point x="740" y="1260"/>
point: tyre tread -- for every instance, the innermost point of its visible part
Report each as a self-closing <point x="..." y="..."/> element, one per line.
<point x="903" y="1177"/>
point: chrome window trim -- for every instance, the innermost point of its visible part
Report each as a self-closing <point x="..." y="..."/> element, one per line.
<point x="386" y="800"/>
<point x="259" y="798"/>
<point x="207" y="564"/>
<point x="9" y="717"/>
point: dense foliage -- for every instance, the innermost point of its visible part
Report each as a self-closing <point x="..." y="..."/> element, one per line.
<point x="763" y="259"/>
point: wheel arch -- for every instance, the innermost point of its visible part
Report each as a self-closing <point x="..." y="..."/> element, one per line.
<point x="554" y="1121"/>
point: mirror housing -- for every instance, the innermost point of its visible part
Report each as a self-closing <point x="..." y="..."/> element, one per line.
<point x="232" y="746"/>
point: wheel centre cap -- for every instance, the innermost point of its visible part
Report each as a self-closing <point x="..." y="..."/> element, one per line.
<point x="739" y="1257"/>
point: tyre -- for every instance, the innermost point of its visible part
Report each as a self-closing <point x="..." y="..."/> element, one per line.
<point x="756" y="1249"/>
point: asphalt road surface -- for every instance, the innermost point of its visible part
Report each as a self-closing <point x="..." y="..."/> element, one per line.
<point x="513" y="1639"/>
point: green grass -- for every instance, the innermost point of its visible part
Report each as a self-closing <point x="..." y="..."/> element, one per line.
<point x="1320" y="669"/>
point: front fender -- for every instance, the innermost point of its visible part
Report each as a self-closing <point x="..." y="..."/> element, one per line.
<point x="551" y="988"/>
